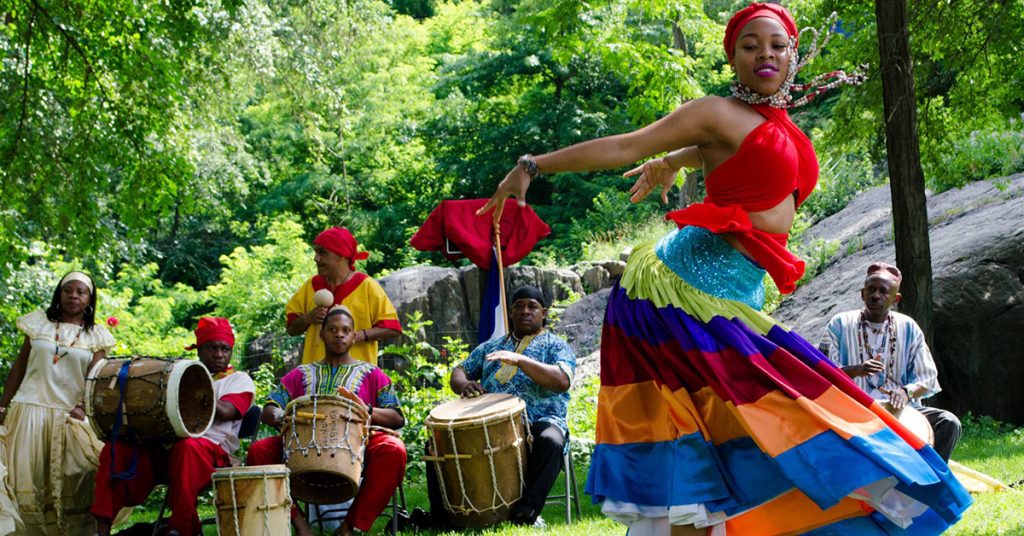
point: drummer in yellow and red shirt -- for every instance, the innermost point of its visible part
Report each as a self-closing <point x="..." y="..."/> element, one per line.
<point x="335" y="254"/>
<point x="186" y="467"/>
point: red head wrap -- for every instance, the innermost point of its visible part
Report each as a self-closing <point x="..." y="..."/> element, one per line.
<point x="212" y="328"/>
<point x="885" y="270"/>
<point x="751" y="12"/>
<point x="339" y="240"/>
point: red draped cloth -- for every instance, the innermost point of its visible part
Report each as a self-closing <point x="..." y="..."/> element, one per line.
<point x="457" y="222"/>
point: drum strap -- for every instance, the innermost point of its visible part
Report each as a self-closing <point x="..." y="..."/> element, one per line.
<point x="127" y="474"/>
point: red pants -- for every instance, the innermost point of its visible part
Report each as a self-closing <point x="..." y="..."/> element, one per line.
<point x="189" y="463"/>
<point x="383" y="470"/>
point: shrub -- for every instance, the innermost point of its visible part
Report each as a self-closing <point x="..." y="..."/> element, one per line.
<point x="984" y="154"/>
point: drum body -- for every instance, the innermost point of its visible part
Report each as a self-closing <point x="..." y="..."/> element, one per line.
<point x="480" y="454"/>
<point x="164" y="400"/>
<point x="915" y="421"/>
<point x="324" y="439"/>
<point x="252" y="501"/>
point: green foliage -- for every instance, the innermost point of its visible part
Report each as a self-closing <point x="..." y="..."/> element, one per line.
<point x="842" y="178"/>
<point x="992" y="152"/>
<point x="257" y="282"/>
<point x="583" y="409"/>
<point x="963" y="75"/>
<point x="153" y="318"/>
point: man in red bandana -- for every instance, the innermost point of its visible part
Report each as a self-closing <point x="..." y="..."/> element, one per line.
<point x="187" y="466"/>
<point x="335" y="253"/>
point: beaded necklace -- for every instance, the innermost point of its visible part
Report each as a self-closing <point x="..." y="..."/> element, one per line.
<point x="56" y="341"/>
<point x="783" y="98"/>
<point x="868" y="352"/>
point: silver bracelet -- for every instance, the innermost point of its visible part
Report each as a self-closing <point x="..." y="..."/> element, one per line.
<point x="529" y="166"/>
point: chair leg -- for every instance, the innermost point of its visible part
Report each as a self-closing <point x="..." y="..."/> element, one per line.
<point x="575" y="490"/>
<point x="567" y="467"/>
<point x="160" y="516"/>
<point x="394" y="515"/>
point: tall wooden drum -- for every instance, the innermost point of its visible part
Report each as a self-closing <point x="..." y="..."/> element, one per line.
<point x="480" y="453"/>
<point x="324" y="439"/>
<point x="160" y="400"/>
<point x="252" y="501"/>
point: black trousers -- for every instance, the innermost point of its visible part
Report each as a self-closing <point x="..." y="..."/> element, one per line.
<point x="946" y="427"/>
<point x="544" y="462"/>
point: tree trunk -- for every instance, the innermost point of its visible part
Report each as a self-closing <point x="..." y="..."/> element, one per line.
<point x="906" y="179"/>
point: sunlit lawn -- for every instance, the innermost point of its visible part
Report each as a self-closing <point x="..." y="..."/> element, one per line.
<point x="986" y="447"/>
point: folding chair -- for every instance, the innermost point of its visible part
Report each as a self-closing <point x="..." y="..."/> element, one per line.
<point x="571" y="497"/>
<point x="324" y="516"/>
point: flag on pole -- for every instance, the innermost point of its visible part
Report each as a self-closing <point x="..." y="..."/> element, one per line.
<point x="492" y="314"/>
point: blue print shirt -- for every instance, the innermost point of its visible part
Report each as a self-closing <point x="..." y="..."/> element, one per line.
<point x="542" y="405"/>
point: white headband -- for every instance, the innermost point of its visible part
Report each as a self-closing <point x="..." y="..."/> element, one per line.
<point x="77" y="276"/>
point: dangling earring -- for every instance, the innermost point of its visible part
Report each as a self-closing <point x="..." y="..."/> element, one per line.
<point x="89" y="310"/>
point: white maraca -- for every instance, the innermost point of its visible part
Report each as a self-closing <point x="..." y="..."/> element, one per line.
<point x="323" y="298"/>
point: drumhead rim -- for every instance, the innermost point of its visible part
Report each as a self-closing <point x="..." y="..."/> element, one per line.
<point x="254" y="471"/>
<point x="173" y="385"/>
<point x="345" y="401"/>
<point x="90" y="389"/>
<point x="517" y="405"/>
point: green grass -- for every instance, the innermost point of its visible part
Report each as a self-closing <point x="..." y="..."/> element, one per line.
<point x="996" y="450"/>
<point x="987" y="446"/>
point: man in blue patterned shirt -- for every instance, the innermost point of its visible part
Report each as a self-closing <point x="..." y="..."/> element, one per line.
<point x="537" y="366"/>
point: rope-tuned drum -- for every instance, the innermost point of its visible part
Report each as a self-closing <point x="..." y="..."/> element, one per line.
<point x="324" y="439"/>
<point x="252" y="501"/>
<point x="479" y="452"/>
<point x="144" y="400"/>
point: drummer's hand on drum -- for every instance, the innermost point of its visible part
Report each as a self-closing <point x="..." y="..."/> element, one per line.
<point x="342" y="391"/>
<point x="77" y="412"/>
<point x="898" y="398"/>
<point x="869" y="367"/>
<point x="472" y="389"/>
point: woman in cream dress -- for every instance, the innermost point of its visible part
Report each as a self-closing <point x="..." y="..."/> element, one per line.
<point x="48" y="453"/>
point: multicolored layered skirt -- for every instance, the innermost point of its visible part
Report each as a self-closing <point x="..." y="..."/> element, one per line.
<point x="713" y="414"/>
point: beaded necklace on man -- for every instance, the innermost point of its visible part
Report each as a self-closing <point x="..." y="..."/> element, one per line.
<point x="888" y="346"/>
<point x="56" y="341"/>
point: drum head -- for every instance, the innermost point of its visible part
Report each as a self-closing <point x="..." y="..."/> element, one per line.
<point x="477" y="408"/>
<point x="915" y="421"/>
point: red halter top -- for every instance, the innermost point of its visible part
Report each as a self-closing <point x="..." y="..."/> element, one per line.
<point x="775" y="160"/>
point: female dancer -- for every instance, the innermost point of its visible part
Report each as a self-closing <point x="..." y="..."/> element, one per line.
<point x="711" y="414"/>
<point x="51" y="454"/>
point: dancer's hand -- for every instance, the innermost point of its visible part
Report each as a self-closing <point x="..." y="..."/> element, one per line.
<point x="515" y="184"/>
<point x="652" y="173"/>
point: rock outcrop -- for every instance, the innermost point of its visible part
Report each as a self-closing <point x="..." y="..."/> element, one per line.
<point x="977" y="244"/>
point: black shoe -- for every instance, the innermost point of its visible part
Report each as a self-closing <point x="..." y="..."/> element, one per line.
<point x="421" y="519"/>
<point x="522" y="514"/>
